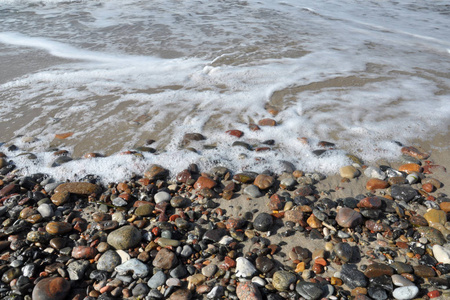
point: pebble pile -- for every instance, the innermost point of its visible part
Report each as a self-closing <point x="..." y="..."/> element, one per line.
<point x="153" y="237"/>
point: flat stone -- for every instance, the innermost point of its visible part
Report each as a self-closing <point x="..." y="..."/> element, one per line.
<point x="347" y="217"/>
<point x="267" y="122"/>
<point x="52" y="288"/>
<point x="403" y="192"/>
<point x="125" y="237"/>
<point x="442" y="254"/>
<point x="155" y="172"/>
<point x="84" y="252"/>
<point x="158" y="279"/>
<point x="435" y="216"/>
<point x="244" y="268"/>
<point x="402" y="268"/>
<point x="309" y="290"/>
<point x="399" y="280"/>
<point x="109" y="261"/>
<point x="215" y="235"/>
<point x="264" y="181"/>
<point x="295" y="216"/>
<point x="57" y="228"/>
<point x="352" y="277"/>
<point x="376" y="184"/>
<point x="263" y="222"/>
<point x="281" y="280"/>
<point x="135" y="266"/>
<point x="424" y="271"/>
<point x="377" y="269"/>
<point x="165" y="259"/>
<point x="204" y="182"/>
<point x="79" y="188"/>
<point x="252" y="191"/>
<point x="405" y="292"/>
<point x="248" y="291"/>
<point x="414" y="152"/>
<point x="349" y="172"/>
<point x="410" y="168"/>
<point x="60" y="198"/>
<point x="181" y="294"/>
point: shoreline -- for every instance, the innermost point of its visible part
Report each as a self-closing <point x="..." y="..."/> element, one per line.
<point x="285" y="237"/>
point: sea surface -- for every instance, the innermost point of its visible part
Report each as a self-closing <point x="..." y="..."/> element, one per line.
<point x="360" y="74"/>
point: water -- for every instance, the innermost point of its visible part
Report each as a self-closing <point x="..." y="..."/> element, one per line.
<point x="117" y="73"/>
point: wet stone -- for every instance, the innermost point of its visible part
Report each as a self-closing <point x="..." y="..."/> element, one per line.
<point x="57" y="228"/>
<point x="179" y="202"/>
<point x="125" y="237"/>
<point x="347" y="217"/>
<point x="377" y="269"/>
<point x="248" y="291"/>
<point x="405" y="292"/>
<point x="424" y="271"/>
<point x="252" y="191"/>
<point x="264" y="264"/>
<point x="155" y="172"/>
<point x="77" y="269"/>
<point x="53" y="288"/>
<point x="79" y="188"/>
<point x="344" y="251"/>
<point x="60" y="198"/>
<point x="418" y="221"/>
<point x="264" y="181"/>
<point x="434" y="236"/>
<point x="144" y="210"/>
<point x="215" y="234"/>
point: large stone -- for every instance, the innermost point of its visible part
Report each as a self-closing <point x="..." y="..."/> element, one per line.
<point x="263" y="222"/>
<point x="352" y="277"/>
<point x="376" y="184"/>
<point x="244" y="268"/>
<point x="79" y="188"/>
<point x="57" y="228"/>
<point x="60" y="198"/>
<point x="135" y="266"/>
<point x="347" y="217"/>
<point x="403" y="192"/>
<point x="204" y="182"/>
<point x="414" y="152"/>
<point x="158" y="279"/>
<point x="405" y="292"/>
<point x="435" y="216"/>
<point x="433" y="235"/>
<point x="165" y="259"/>
<point x="125" y="237"/>
<point x="442" y="254"/>
<point x="424" y="271"/>
<point x="53" y="288"/>
<point x="377" y="269"/>
<point x="410" y="168"/>
<point x="155" y="172"/>
<point x="349" y="172"/>
<point x="344" y="251"/>
<point x="281" y="280"/>
<point x="309" y="290"/>
<point x="293" y="216"/>
<point x="248" y="291"/>
<point x="108" y="261"/>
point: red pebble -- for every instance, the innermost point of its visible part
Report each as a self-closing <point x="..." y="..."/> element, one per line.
<point x="433" y="294"/>
<point x="236" y="133"/>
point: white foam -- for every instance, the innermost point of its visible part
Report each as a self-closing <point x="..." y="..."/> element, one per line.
<point x="358" y="75"/>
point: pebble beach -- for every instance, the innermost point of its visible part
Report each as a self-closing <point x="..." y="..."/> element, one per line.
<point x="369" y="231"/>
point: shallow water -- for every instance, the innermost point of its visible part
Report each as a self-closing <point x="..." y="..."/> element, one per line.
<point x="117" y="73"/>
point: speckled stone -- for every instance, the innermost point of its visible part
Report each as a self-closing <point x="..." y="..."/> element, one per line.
<point x="282" y="280"/>
<point x="125" y="237"/>
<point x="248" y="291"/>
<point x="53" y="288"/>
<point x="347" y="217"/>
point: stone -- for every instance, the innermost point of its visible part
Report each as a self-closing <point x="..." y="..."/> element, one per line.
<point x="46" y="210"/>
<point x="248" y="291"/>
<point x="162" y="197"/>
<point x="410" y="168"/>
<point x="125" y="237"/>
<point x="192" y="136"/>
<point x="442" y="254"/>
<point x="52" y="288"/>
<point x="155" y="172"/>
<point x="247" y="177"/>
<point x="181" y="294"/>
<point x="295" y="216"/>
<point x="141" y="289"/>
<point x="418" y="221"/>
<point x="209" y="270"/>
<point x="215" y="235"/>
<point x="373" y="172"/>
<point x="264" y="181"/>
<point x="57" y="228"/>
<point x="165" y="259"/>
<point x="378" y="269"/>
<point x="77" y="269"/>
<point x="309" y="290"/>
<point x="349" y="172"/>
<point x="179" y="202"/>
<point x="424" y="271"/>
<point x="204" y="182"/>
<point x="352" y="277"/>
<point x="344" y="251"/>
<point x="267" y="122"/>
<point x="445" y="206"/>
<point x="158" y="279"/>
<point x="263" y="222"/>
<point x="84" y="252"/>
<point x="235" y="132"/>
<point x="60" y="198"/>
<point x="252" y="191"/>
<point x="399" y="280"/>
<point x="376" y="184"/>
<point x="281" y="280"/>
<point x="135" y="266"/>
<point x="403" y="192"/>
<point x="370" y="203"/>
<point x="244" y="268"/>
<point x="435" y="216"/>
<point x="433" y="235"/>
<point x="314" y="222"/>
<point x="144" y="210"/>
<point x="78" y="188"/>
<point x="402" y="268"/>
<point x="264" y="264"/>
<point x="347" y="217"/>
<point x="405" y="292"/>
<point x="108" y="261"/>
<point x="275" y="202"/>
<point x="179" y="271"/>
<point x="414" y="152"/>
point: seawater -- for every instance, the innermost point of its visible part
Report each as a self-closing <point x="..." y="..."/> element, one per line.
<point x="361" y="74"/>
